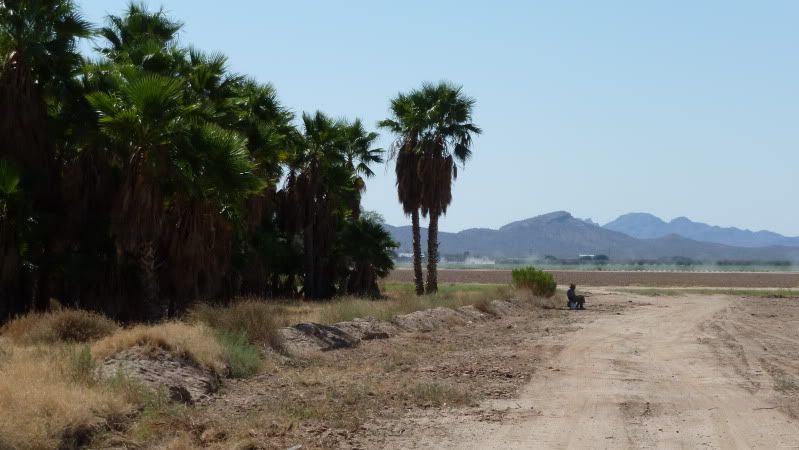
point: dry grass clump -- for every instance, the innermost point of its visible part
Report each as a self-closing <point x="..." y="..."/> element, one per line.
<point x="187" y="341"/>
<point x="65" y="325"/>
<point x="486" y="307"/>
<point x="401" y="299"/>
<point x="556" y="301"/>
<point x="47" y="402"/>
<point x="439" y="394"/>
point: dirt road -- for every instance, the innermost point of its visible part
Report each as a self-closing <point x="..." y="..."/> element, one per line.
<point x="662" y="375"/>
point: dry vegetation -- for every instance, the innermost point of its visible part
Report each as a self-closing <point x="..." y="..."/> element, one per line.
<point x="50" y="396"/>
<point x="187" y="341"/>
<point x="61" y="325"/>
<point x="49" y="399"/>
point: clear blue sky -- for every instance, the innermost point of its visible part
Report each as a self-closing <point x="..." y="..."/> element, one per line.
<point x="598" y="108"/>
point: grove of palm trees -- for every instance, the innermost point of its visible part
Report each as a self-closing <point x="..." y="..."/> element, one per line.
<point x="147" y="176"/>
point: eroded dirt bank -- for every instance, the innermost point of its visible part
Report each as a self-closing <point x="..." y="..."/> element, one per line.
<point x="672" y="372"/>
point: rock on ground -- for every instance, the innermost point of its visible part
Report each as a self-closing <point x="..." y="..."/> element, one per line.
<point x="157" y="368"/>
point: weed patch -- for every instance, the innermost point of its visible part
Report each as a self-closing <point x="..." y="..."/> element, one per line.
<point x="257" y="320"/>
<point x="242" y="357"/>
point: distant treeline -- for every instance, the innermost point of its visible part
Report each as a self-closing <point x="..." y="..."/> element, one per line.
<point x="601" y="260"/>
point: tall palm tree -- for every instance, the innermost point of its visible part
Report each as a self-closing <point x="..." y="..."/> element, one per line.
<point x="359" y="154"/>
<point x="143" y="119"/>
<point x="316" y="166"/>
<point x="144" y="38"/>
<point x="407" y="122"/>
<point x="445" y="142"/>
<point x="435" y="129"/>
<point x="38" y="58"/>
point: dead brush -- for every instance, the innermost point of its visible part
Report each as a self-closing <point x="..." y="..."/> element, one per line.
<point x="63" y="325"/>
<point x="47" y="402"/>
<point x="486" y="306"/>
<point x="527" y="298"/>
<point x="191" y="342"/>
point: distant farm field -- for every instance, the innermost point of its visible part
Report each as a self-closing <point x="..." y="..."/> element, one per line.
<point x="619" y="278"/>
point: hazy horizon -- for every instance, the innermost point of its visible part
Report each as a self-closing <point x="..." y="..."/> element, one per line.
<point x="601" y="224"/>
<point x="678" y="109"/>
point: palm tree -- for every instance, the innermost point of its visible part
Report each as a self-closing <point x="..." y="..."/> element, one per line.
<point x="368" y="247"/>
<point x="407" y="122"/>
<point x="149" y="178"/>
<point x="446" y="141"/>
<point x="38" y="58"/>
<point x="319" y="189"/>
<point x="143" y="38"/>
<point x="435" y="131"/>
<point x="359" y="154"/>
<point x="143" y="118"/>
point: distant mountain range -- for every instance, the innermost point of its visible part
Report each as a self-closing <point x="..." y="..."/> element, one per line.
<point x="647" y="226"/>
<point x="630" y="237"/>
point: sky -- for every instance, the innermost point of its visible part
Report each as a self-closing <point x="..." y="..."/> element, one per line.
<point x="678" y="108"/>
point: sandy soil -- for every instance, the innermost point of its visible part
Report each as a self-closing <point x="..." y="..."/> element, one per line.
<point x="671" y="372"/>
<point x="608" y="278"/>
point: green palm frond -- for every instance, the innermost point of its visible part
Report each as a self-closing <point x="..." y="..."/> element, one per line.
<point x="226" y="169"/>
<point x="44" y="34"/>
<point x="9" y="178"/>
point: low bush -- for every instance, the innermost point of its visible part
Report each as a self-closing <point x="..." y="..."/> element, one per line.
<point x="65" y="325"/>
<point x="191" y="342"/>
<point x="539" y="282"/>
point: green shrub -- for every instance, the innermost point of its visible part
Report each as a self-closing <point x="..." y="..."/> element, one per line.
<point x="539" y="282"/>
<point x="241" y="356"/>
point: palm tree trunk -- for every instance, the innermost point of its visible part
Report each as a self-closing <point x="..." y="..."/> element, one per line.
<point x="418" y="276"/>
<point x="309" y="280"/>
<point x="432" y="254"/>
<point x="152" y="310"/>
<point x="41" y="300"/>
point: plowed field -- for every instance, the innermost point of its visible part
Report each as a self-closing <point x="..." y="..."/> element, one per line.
<point x="608" y="278"/>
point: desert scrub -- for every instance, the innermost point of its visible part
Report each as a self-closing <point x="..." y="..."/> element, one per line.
<point x="48" y="399"/>
<point x="65" y="325"/>
<point x="257" y="320"/>
<point x="401" y="299"/>
<point x="537" y="281"/>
